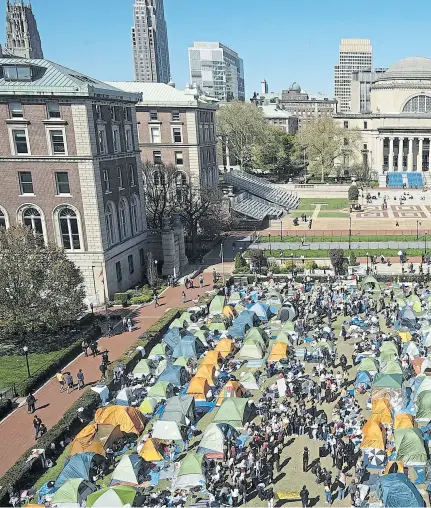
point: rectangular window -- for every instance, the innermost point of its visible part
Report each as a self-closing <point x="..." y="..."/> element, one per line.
<point x="175" y="116"/>
<point x="129" y="140"/>
<point x="20" y="141"/>
<point x="130" y="260"/>
<point x="120" y="178"/>
<point x="128" y="114"/>
<point x="157" y="157"/>
<point x="106" y="181"/>
<point x="102" y="140"/>
<point x="16" y="73"/>
<point x="346" y="124"/>
<point x="57" y="142"/>
<point x="113" y="113"/>
<point x="25" y="182"/>
<point x="15" y="110"/>
<point x="155" y="134"/>
<point x="118" y="271"/>
<point x="131" y="176"/>
<point x="62" y="182"/>
<point x="53" y="110"/>
<point x="179" y="161"/>
<point x="116" y="138"/>
<point x="365" y="125"/>
<point x="142" y="257"/>
<point x="176" y="131"/>
<point x="98" y="112"/>
<point x="153" y="115"/>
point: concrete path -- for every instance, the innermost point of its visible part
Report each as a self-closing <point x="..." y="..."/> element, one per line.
<point x="308" y="245"/>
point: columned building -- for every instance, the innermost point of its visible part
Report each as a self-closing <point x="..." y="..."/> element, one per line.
<point x="396" y="133"/>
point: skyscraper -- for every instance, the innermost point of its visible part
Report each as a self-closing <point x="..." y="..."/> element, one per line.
<point x="354" y="55"/>
<point x="150" y="42"/>
<point x="22" y="35"/>
<point x="217" y="70"/>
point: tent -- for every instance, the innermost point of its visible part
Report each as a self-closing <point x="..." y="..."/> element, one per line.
<point x="212" y="357"/>
<point x="74" y="491"/>
<point x="158" y="350"/>
<point x="78" y="466"/>
<point x="179" y="409"/>
<point x="274" y="298"/>
<point x="153" y="450"/>
<point x="251" y="350"/>
<point x="161" y="390"/>
<point x="176" y="375"/>
<point x="225" y="347"/>
<point x="261" y="310"/>
<point x="369" y="364"/>
<point x="177" y="323"/>
<point x="395" y="490"/>
<point x="202" y="336"/>
<point x="95" y="438"/>
<point x="387" y="356"/>
<point x="416" y="363"/>
<point x="405" y="336"/>
<point x="415" y="303"/>
<point x="228" y="311"/>
<point x="408" y="316"/>
<point x="364" y="379"/>
<point x="389" y="345"/>
<point x="392" y="367"/>
<point x="213" y="439"/>
<point x="410" y="447"/>
<point x="216" y="325"/>
<point x="207" y="371"/>
<point x="411" y="349"/>
<point x="230" y="389"/>
<point x="217" y="304"/>
<point x="394" y="466"/>
<point x="235" y="412"/>
<point x="288" y="326"/>
<point x="147" y="405"/>
<point x="423" y="406"/>
<point x="182" y="360"/>
<point x="258" y="335"/>
<point x="284" y="337"/>
<point x="403" y="421"/>
<point x="112" y="497"/>
<point x="234" y="298"/>
<point x="144" y="368"/>
<point x="423" y="387"/>
<point x="382" y="380"/>
<point x="124" y="397"/>
<point x="199" y="388"/>
<point x="426" y="366"/>
<point x="287" y="313"/>
<point x="173" y="336"/>
<point x="130" y="419"/>
<point x="369" y="283"/>
<point x="381" y="411"/>
<point x="189" y="346"/>
<point x="167" y="431"/>
<point x="373" y="435"/>
<point x="190" y="472"/>
<point x="128" y="471"/>
<point x="278" y="352"/>
<point x="248" y="381"/>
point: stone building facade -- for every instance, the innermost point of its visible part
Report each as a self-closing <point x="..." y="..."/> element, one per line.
<point x="71" y="169"/>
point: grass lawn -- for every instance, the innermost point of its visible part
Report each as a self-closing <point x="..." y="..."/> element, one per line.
<point x="333" y="215"/>
<point x="53" y="472"/>
<point x="13" y="368"/>
<point x="331" y="203"/>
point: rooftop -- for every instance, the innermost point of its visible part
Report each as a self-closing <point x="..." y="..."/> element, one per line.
<point x="412" y="68"/>
<point x="273" y="111"/>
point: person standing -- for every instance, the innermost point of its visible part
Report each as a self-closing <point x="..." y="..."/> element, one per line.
<point x="110" y="329"/>
<point x="156" y="300"/>
<point x="183" y="296"/>
<point x="328" y="494"/>
<point x="201" y="281"/>
<point x="103" y="368"/>
<point x="304" y="494"/>
<point x="124" y="323"/>
<point x="130" y="325"/>
<point x="31" y="402"/>
<point x="80" y="378"/>
<point x="305" y="458"/>
<point x="352" y="491"/>
<point x="270" y="498"/>
<point x="69" y="382"/>
<point x="60" y="380"/>
<point x="84" y="346"/>
<point x="37" y="422"/>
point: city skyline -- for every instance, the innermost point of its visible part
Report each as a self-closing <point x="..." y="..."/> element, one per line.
<point x="306" y="53"/>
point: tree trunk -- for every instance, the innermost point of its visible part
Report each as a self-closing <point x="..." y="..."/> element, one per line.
<point x="194" y="233"/>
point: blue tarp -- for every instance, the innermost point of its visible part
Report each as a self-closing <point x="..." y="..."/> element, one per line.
<point x="261" y="310"/>
<point x="78" y="467"/>
<point x="396" y="490"/>
<point x="175" y="374"/>
<point x="189" y="346"/>
<point x="363" y="377"/>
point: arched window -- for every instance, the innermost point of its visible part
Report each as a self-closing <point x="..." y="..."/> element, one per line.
<point x="135" y="214"/>
<point x="123" y="219"/>
<point x="110" y="224"/>
<point x="2" y="219"/>
<point x="180" y="179"/>
<point x="32" y="218"/>
<point x="69" y="229"/>
<point x="418" y="104"/>
<point x="159" y="178"/>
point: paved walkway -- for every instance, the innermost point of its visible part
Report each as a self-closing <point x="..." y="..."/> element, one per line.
<point x="16" y="431"/>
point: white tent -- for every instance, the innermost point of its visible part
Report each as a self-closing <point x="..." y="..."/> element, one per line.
<point x="248" y="381"/>
<point x="166" y="430"/>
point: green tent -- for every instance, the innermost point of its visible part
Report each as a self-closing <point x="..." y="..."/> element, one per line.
<point x="409" y="444"/>
<point x="388" y="345"/>
<point x="392" y="367"/>
<point x="274" y="298"/>
<point x="185" y="316"/>
<point x="426" y="328"/>
<point x="142" y="369"/>
<point x="147" y="405"/>
<point x="190" y="472"/>
<point x="387" y="356"/>
<point x="217" y="304"/>
<point x="382" y="380"/>
<point x="284" y="337"/>
<point x="234" y="298"/>
<point x="73" y="491"/>
<point x="161" y="390"/>
<point x="369" y="364"/>
<point x="177" y="323"/>
<point x="402" y="302"/>
<point x="288" y="325"/>
<point x="323" y="345"/>
<point x="200" y="334"/>
<point x="257" y="335"/>
<point x="158" y="350"/>
<point x="127" y="470"/>
<point x="251" y="350"/>
<point x="239" y="307"/>
<point x="248" y="381"/>
<point x="370" y="283"/>
<point x="214" y="437"/>
<point x="425" y="386"/>
<point x="181" y="360"/>
<point x="414" y="302"/>
<point x="113" y="497"/>
<point x="235" y="411"/>
<point x="423" y="407"/>
<point x="216" y="326"/>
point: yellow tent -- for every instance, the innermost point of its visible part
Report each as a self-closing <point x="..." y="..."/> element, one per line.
<point x="229" y="311"/>
<point x="199" y="388"/>
<point x="224" y="347"/>
<point x="147" y="405"/>
<point x="403" y="421"/>
<point x="95" y="438"/>
<point x="152" y="450"/>
<point x="278" y="352"/>
<point x="405" y="336"/>
<point x="207" y="371"/>
<point x="381" y="411"/>
<point x="130" y="419"/>
<point x="374" y="435"/>
<point x="211" y="358"/>
<point x="229" y="390"/>
<point x="398" y="468"/>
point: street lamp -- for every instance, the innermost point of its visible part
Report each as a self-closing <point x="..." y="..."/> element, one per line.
<point x="269" y="236"/>
<point x="157" y="274"/>
<point x="417" y="229"/>
<point x="367" y="264"/>
<point x="292" y="264"/>
<point x="281" y="230"/>
<point x="350" y="230"/>
<point x="25" y="349"/>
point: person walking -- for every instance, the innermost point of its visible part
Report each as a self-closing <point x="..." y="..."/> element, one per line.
<point x="93" y="347"/>
<point x="328" y="494"/>
<point x="105" y="358"/>
<point x="156" y="300"/>
<point x="31" y="402"/>
<point x="305" y="458"/>
<point x="84" y="346"/>
<point x="201" y="281"/>
<point x="60" y="380"/>
<point x="80" y="378"/>
<point x="69" y="382"/>
<point x="124" y="323"/>
<point x="270" y="498"/>
<point x="37" y="422"/>
<point x="304" y="494"/>
<point x="352" y="491"/>
<point x="103" y="368"/>
<point x="183" y="296"/>
<point x="110" y="329"/>
<point x="130" y="325"/>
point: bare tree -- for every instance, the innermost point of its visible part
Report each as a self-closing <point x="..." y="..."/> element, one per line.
<point x="150" y="269"/>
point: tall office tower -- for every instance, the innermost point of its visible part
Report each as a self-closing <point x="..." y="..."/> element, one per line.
<point x="150" y="42"/>
<point x="22" y="35"/>
<point x="217" y="70"/>
<point x="360" y="89"/>
<point x="354" y="55"/>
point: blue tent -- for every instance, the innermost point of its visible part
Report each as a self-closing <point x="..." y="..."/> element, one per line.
<point x="189" y="346"/>
<point x="78" y="466"/>
<point x="175" y="374"/>
<point x="261" y="310"/>
<point x="363" y="377"/>
<point x="173" y="337"/>
<point x="396" y="490"/>
<point x="241" y="324"/>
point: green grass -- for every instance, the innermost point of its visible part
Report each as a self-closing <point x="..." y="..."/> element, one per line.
<point x="322" y="253"/>
<point x="333" y="215"/>
<point x="53" y="472"/>
<point x="342" y="238"/>
<point x="13" y="368"/>
<point x="330" y="203"/>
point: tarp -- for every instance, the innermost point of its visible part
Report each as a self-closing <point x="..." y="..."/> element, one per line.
<point x="410" y="446"/>
<point x="278" y="352"/>
<point x="190" y="472"/>
<point x="373" y="435"/>
<point x="161" y="390"/>
<point x="95" y="438"/>
<point x="175" y="374"/>
<point x="130" y="419"/>
<point x="230" y="389"/>
<point x="167" y="430"/>
<point x="207" y="371"/>
<point x="261" y="310"/>
<point x="225" y="347"/>
<point x="112" y="497"/>
<point x="73" y="491"/>
<point x="388" y="381"/>
<point x="189" y="346"/>
<point x="198" y="387"/>
<point x="235" y="412"/>
<point x="395" y="490"/>
<point x="217" y="304"/>
<point x="180" y="408"/>
<point x="127" y="470"/>
<point x="214" y="437"/>
<point x="381" y="411"/>
<point x="152" y="451"/>
<point x="251" y="350"/>
<point x="78" y="467"/>
<point x="248" y="381"/>
<point x="423" y="406"/>
<point x="403" y="421"/>
<point x="369" y="364"/>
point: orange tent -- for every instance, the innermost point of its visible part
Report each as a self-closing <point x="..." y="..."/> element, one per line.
<point x="417" y="364"/>
<point x="225" y="347"/>
<point x="399" y="468"/>
<point x="207" y="371"/>
<point x="152" y="451"/>
<point x="374" y="435"/>
<point x="211" y="358"/>
<point x="95" y="438"/>
<point x="229" y="311"/>
<point x="230" y="389"/>
<point x="130" y="419"/>
<point x="381" y="411"/>
<point x="403" y="421"/>
<point x="278" y="352"/>
<point x="199" y="388"/>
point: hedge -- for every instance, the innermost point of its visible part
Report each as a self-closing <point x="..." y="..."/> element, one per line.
<point x="5" y="407"/>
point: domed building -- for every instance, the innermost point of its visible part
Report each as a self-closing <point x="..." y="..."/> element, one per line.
<point x="397" y="131"/>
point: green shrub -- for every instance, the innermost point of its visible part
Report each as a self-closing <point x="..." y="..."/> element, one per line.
<point x="121" y="297"/>
<point x="138" y="300"/>
<point x="353" y="193"/>
<point x="240" y="263"/>
<point x="5" y="407"/>
<point x="310" y="264"/>
<point x="243" y="269"/>
<point x="352" y="258"/>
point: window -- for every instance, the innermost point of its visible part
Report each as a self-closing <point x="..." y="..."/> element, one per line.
<point x="134" y="213"/>
<point x="20" y="142"/>
<point x="62" y="182"/>
<point x="123" y="222"/>
<point x="25" y="182"/>
<point x="346" y="141"/>
<point x="346" y="124"/>
<point x="142" y="257"/>
<point x="2" y="220"/>
<point x="129" y="140"/>
<point x="155" y="134"/>
<point x="179" y="161"/>
<point x="180" y="179"/>
<point x="106" y="181"/>
<point x="58" y="146"/>
<point x="157" y="157"/>
<point x="102" y="140"/>
<point x="118" y="271"/>
<point x="153" y="115"/>
<point x="130" y="261"/>
<point x="69" y="229"/>
<point x="17" y="73"/>
<point x="98" y="112"/>
<point x="109" y="223"/>
<point x="15" y="110"/>
<point x="175" y="116"/>
<point x="53" y="110"/>
<point x="418" y="104"/>
<point x="120" y="178"/>
<point x="131" y="170"/>
<point x="177" y="136"/>
<point x="113" y="110"/>
<point x="365" y="125"/>
<point x="116" y="138"/>
<point x="33" y="219"/>
<point x="128" y="114"/>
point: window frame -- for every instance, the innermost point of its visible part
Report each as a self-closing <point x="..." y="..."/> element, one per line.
<point x="13" y="142"/>
<point x="131" y="175"/>
<point x="154" y="128"/>
<point x="20" y="183"/>
<point x="49" y="131"/>
<point x="176" y="158"/>
<point x="48" y="112"/>
<point x="11" y="110"/>
<point x="154" y="157"/>
<point x="131" y="263"/>
<point x="106" y="181"/>
<point x="128" y="135"/>
<point x="21" y="218"/>
<point x="118" y="271"/>
<point x="111" y="231"/>
<point x="103" y="147"/>
<point x="174" y="129"/>
<point x="123" y="220"/>
<point x="176" y="115"/>
<point x="76" y="216"/>
<point x="4" y="218"/>
<point x="154" y="115"/>
<point x="135" y="223"/>
<point x="142" y="256"/>
<point x="57" y="183"/>
<point x="120" y="178"/>
<point x="116" y="143"/>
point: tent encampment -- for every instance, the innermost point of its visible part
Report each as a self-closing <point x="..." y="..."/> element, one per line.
<point x="285" y="337"/>
<point x="395" y="490"/>
<point x="217" y="304"/>
<point x="95" y="438"/>
<point x="74" y="491"/>
<point x="373" y="435"/>
<point x="161" y="390"/>
<point x="147" y="405"/>
<point x="212" y="357"/>
<point x="393" y="381"/>
<point x="251" y="350"/>
<point x="369" y="283"/>
<point x="213" y="439"/>
<point x="190" y="472"/>
<point x="158" y="350"/>
<point x="180" y="409"/>
<point x="258" y="335"/>
<point x="235" y="412"/>
<point x="287" y="313"/>
<point x="128" y="471"/>
<point x="230" y="389"/>
<point x="79" y="466"/>
<point x="130" y="419"/>
<point x="144" y="368"/>
<point x="363" y="380"/>
<point x="261" y="310"/>
<point x="248" y="381"/>
<point x="409" y="444"/>
<point x="207" y="371"/>
<point x="112" y="497"/>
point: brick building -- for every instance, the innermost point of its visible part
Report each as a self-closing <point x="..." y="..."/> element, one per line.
<point x="71" y="169"/>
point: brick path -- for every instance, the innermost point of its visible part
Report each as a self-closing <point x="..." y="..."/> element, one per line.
<point x="16" y="431"/>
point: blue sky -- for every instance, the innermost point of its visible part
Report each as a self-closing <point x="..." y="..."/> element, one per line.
<point x="279" y="40"/>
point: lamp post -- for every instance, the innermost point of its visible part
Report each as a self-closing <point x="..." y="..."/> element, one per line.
<point x="281" y="230"/>
<point x="350" y="230"/>
<point x="25" y="349"/>
<point x="157" y="274"/>
<point x="426" y="232"/>
<point x="269" y="236"/>
<point x="292" y="264"/>
<point x="417" y="229"/>
<point x="367" y="263"/>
